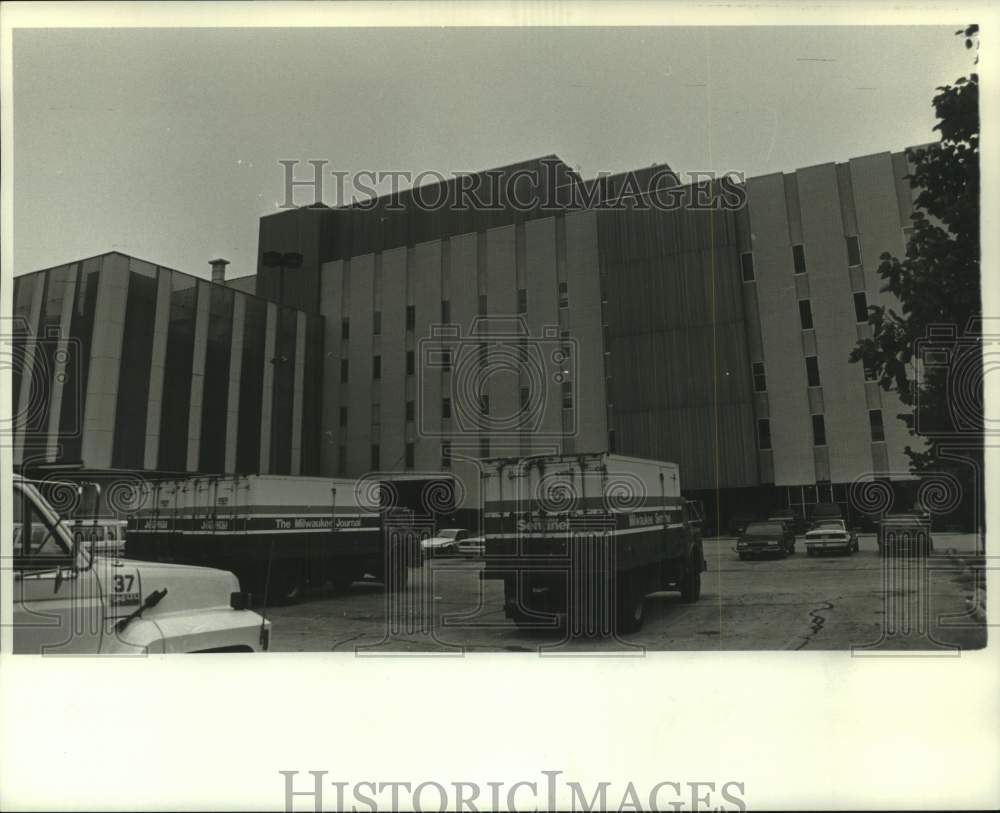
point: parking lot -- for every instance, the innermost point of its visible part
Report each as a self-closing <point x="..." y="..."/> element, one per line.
<point x="861" y="602"/>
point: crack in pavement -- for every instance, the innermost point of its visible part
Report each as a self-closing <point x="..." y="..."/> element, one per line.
<point x="815" y="625"/>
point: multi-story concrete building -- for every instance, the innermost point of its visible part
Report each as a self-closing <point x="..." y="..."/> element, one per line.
<point x="418" y="337"/>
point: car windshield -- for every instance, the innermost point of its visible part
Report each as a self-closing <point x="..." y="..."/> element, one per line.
<point x="763" y="528"/>
<point x="830" y="524"/>
<point x="449" y="533"/>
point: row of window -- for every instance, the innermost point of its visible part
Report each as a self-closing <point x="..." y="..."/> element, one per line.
<point x="411" y="313"/>
<point x="409" y="455"/>
<point x="812" y="374"/>
<point x="799" y="258"/>
<point x="875" y="426"/>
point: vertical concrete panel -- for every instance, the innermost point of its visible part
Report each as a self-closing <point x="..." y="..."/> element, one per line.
<point x="156" y="370"/>
<point x="198" y="374"/>
<point x="359" y="382"/>
<point x="543" y="314"/>
<point x="791" y="426"/>
<point x="848" y="446"/>
<point x="105" y="362"/>
<point x="426" y="286"/>
<point x="463" y="293"/>
<point x="331" y="307"/>
<point x="393" y="423"/>
<point x="297" y="381"/>
<point x="503" y="381"/>
<point x="874" y="179"/>
<point x="235" y="374"/>
<point x="583" y="276"/>
<point x="267" y="394"/>
<point x="59" y="363"/>
<point x="24" y="399"/>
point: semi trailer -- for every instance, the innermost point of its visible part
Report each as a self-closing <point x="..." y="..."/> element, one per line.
<point x="279" y="533"/>
<point x="581" y="540"/>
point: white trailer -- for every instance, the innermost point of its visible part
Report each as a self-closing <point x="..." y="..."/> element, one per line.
<point x="278" y="533"/>
<point x="585" y="538"/>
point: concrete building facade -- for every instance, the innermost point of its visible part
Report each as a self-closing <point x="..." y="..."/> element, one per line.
<point x="421" y="339"/>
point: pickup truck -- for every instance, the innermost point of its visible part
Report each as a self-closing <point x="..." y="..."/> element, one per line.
<point x="67" y="600"/>
<point x="581" y="540"/>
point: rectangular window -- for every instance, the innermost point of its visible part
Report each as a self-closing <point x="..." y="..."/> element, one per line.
<point x="759" y="379"/>
<point x="343" y="371"/>
<point x="484" y="447"/>
<point x="411" y="317"/>
<point x="812" y="371"/>
<point x="746" y="265"/>
<point x="410" y="362"/>
<point x="446" y="455"/>
<point x="409" y="410"/>
<point x="875" y="420"/>
<point x="376" y="457"/>
<point x="805" y="314"/>
<point x="377" y="323"/>
<point x="819" y="430"/>
<point x="567" y="395"/>
<point x="376" y="367"/>
<point x="482" y="304"/>
<point x="376" y="415"/>
<point x="409" y="455"/>
<point x="343" y="416"/>
<point x="522" y="300"/>
<point x="763" y="434"/>
<point x="563" y="295"/>
<point x="853" y="250"/>
<point x="799" y="258"/>
<point x="345" y="328"/>
<point x="341" y="460"/>
<point x="445" y="311"/>
<point x="446" y="407"/>
<point x="861" y="306"/>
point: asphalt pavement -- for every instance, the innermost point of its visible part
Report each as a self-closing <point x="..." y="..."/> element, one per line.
<point x="861" y="603"/>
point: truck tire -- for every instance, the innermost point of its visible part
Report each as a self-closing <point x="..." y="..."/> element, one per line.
<point x="691" y="582"/>
<point x="631" y="605"/>
<point x="286" y="583"/>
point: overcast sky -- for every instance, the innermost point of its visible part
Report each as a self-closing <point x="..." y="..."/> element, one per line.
<point x="164" y="144"/>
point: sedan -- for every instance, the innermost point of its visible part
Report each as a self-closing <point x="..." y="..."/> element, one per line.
<point x="446" y="542"/>
<point x="831" y="535"/>
<point x="766" y="538"/>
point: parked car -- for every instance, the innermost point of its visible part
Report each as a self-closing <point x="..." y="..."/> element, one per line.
<point x="831" y="535"/>
<point x="445" y="543"/>
<point x="766" y="538"/>
<point x="472" y="547"/>
<point x="738" y="523"/>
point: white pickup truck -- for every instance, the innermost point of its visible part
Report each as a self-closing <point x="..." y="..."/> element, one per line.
<point x="68" y="601"/>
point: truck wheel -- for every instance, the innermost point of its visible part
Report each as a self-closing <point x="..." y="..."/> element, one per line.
<point x="691" y="585"/>
<point x="631" y="608"/>
<point x="286" y="583"/>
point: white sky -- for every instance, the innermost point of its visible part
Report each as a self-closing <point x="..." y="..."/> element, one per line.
<point x="164" y="143"/>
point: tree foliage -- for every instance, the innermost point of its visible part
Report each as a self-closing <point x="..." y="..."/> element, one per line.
<point x="937" y="283"/>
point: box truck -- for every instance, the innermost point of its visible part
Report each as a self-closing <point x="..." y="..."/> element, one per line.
<point x="583" y="539"/>
<point x="278" y="533"/>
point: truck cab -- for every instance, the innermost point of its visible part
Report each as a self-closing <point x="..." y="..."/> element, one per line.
<point x="68" y="601"/>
